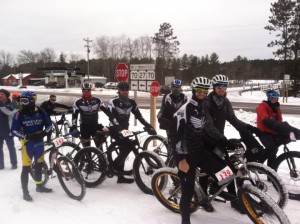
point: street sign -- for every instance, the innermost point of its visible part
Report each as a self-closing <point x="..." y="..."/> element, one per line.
<point x="122" y="72"/>
<point x="145" y="67"/>
<point x="155" y="88"/>
<point x="134" y="85"/>
<point x="142" y="75"/>
<point x="142" y="85"/>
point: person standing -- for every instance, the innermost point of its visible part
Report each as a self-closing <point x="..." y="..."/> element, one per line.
<point x="15" y="99"/>
<point x="49" y="106"/>
<point x="171" y="102"/>
<point x="274" y="131"/>
<point x="88" y="107"/>
<point x="7" y="110"/>
<point x="30" y="125"/>
<point x="120" y="108"/>
<point x="190" y="151"/>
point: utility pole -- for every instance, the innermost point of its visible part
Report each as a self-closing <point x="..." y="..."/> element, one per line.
<point x="88" y="52"/>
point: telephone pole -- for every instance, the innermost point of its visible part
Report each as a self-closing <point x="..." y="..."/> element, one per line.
<point x="88" y="52"/>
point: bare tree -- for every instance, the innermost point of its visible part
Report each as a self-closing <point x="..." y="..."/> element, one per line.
<point x="6" y="59"/>
<point x="101" y="47"/>
<point x="73" y="58"/>
<point x="26" y="57"/>
<point x="48" y="55"/>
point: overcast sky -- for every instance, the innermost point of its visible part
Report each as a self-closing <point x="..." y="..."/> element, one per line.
<point x="226" y="27"/>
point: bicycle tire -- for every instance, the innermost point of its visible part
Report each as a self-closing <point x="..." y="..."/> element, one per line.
<point x="144" y="166"/>
<point x="68" y="147"/>
<point x="290" y="177"/>
<point x="267" y="180"/>
<point x="70" y="178"/>
<point x="260" y="207"/>
<point x="54" y="129"/>
<point x="159" y="145"/>
<point x="92" y="164"/>
<point x="113" y="151"/>
<point x="167" y="189"/>
<point x="45" y="173"/>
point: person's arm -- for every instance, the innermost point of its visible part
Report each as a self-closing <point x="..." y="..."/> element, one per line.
<point x="8" y="108"/>
<point x="61" y="106"/>
<point x="16" y="126"/>
<point x="75" y="114"/>
<point x="138" y="115"/>
<point x="112" y="113"/>
<point x="232" y="119"/>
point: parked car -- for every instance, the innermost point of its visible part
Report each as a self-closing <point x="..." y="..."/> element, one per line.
<point x="165" y="89"/>
<point x="110" y="85"/>
<point x="53" y="85"/>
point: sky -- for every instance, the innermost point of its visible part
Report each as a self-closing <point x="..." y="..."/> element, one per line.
<point x="112" y="203"/>
<point x="228" y="28"/>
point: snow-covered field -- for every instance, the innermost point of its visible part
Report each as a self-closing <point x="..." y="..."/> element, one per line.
<point x="112" y="203"/>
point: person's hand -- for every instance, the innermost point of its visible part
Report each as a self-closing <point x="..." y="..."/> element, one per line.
<point x="36" y="136"/>
<point x="163" y="123"/>
<point x="150" y="130"/>
<point x="105" y="130"/>
<point x="230" y="145"/>
<point x="254" y="130"/>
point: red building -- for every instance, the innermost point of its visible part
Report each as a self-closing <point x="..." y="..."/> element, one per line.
<point x="16" y="79"/>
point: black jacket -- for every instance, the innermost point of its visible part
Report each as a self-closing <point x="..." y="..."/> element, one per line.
<point x="50" y="107"/>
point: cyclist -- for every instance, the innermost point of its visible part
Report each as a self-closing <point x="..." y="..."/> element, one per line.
<point x="30" y="125"/>
<point x="88" y="106"/>
<point x="188" y="129"/>
<point x="170" y="104"/>
<point x="274" y="131"/>
<point x="219" y="110"/>
<point x="120" y="108"/>
<point x="49" y="106"/>
<point x="15" y="99"/>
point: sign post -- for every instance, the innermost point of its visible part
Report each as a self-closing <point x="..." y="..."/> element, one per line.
<point x="121" y="72"/>
<point x="154" y="91"/>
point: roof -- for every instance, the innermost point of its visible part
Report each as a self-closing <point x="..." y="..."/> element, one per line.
<point x="16" y="76"/>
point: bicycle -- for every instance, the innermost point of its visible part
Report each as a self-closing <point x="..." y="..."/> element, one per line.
<point x="265" y="178"/>
<point x="67" y="172"/>
<point x="259" y="206"/>
<point x="287" y="166"/>
<point x="61" y="127"/>
<point x="97" y="164"/>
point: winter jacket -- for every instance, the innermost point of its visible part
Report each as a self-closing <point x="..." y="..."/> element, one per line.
<point x="268" y="119"/>
<point x="50" y="107"/>
<point x="120" y="112"/>
<point x="88" y="110"/>
<point x="218" y="114"/>
<point x="187" y="128"/>
<point x="7" y="111"/>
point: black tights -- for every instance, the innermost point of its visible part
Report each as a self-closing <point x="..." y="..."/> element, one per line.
<point x="25" y="175"/>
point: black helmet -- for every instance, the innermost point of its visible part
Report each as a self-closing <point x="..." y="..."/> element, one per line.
<point x="123" y="86"/>
<point x="86" y="86"/>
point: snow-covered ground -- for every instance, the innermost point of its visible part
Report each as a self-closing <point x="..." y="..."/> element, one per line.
<point x="112" y="203"/>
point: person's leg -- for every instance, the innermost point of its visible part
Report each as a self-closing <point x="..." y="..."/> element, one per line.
<point x="39" y="160"/>
<point x="1" y="154"/>
<point x="271" y="148"/>
<point x="12" y="151"/>
<point x="26" y="164"/>
<point x="85" y="135"/>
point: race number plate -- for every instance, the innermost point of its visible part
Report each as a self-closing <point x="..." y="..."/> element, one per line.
<point x="224" y="173"/>
<point x="58" y="141"/>
<point x="126" y="133"/>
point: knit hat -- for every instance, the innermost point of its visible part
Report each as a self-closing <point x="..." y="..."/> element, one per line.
<point x="7" y="94"/>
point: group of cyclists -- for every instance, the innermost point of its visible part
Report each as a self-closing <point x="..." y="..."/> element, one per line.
<point x="194" y="127"/>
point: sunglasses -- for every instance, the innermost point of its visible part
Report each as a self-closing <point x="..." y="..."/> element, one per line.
<point x="201" y="90"/>
<point x="223" y="87"/>
<point x="24" y="101"/>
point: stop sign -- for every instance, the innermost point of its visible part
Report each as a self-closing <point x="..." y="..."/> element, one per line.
<point x="154" y="88"/>
<point x="121" y="72"/>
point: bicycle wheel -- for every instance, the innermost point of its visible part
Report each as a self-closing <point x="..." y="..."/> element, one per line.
<point x="66" y="129"/>
<point x="92" y="164"/>
<point x="144" y="166"/>
<point x="45" y="173"/>
<point x="67" y="148"/>
<point x="159" y="145"/>
<point x="113" y="151"/>
<point x="266" y="180"/>
<point x="167" y="189"/>
<point x="54" y="130"/>
<point x="287" y="166"/>
<point x="70" y="178"/>
<point x="260" y="207"/>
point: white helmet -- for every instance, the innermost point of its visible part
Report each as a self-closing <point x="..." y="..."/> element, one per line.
<point x="201" y="82"/>
<point x="220" y="79"/>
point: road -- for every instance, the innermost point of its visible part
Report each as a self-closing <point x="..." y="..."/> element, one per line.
<point x="144" y="102"/>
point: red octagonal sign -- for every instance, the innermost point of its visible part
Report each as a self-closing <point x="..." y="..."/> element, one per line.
<point x="154" y="88"/>
<point x="121" y="72"/>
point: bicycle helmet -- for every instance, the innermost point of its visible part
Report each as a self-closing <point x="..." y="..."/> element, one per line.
<point x="201" y="82"/>
<point x="123" y="86"/>
<point x="220" y="80"/>
<point x="176" y="83"/>
<point x="273" y="94"/>
<point x="31" y="96"/>
<point x="86" y="86"/>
